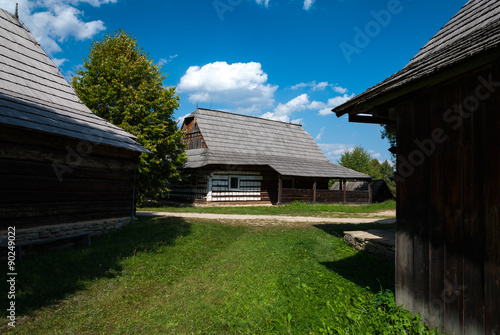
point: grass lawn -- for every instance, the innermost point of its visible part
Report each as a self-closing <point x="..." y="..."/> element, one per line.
<point x="294" y="209"/>
<point x="170" y="276"/>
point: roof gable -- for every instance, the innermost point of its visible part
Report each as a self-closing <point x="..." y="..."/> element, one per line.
<point x="34" y="95"/>
<point x="234" y="139"/>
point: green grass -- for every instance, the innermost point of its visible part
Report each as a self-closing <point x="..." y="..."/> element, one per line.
<point x="169" y="276"/>
<point x="294" y="209"/>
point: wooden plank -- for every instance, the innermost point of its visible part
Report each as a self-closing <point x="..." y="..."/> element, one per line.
<point x="491" y="208"/>
<point x="453" y="237"/>
<point x="86" y="215"/>
<point x="437" y="214"/>
<point x="19" y="136"/>
<point x="472" y="287"/>
<point x="418" y="198"/>
<point x="34" y="197"/>
<point x="280" y="189"/>
<point x="69" y="158"/>
<point x="20" y="168"/>
<point x="34" y="210"/>
<point x="314" y="191"/>
<point x="404" y="237"/>
<point x="25" y="183"/>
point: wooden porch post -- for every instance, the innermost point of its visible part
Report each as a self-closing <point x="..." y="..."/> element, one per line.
<point x="280" y="188"/>
<point x="314" y="191"/>
<point x="370" y="192"/>
<point x="345" y="190"/>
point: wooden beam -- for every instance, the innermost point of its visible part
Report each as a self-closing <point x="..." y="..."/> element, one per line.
<point x="370" y="196"/>
<point x="280" y="188"/>
<point x="345" y="191"/>
<point x="314" y="191"/>
<point x="368" y="119"/>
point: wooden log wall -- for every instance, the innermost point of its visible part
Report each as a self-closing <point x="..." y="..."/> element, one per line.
<point x="195" y="188"/>
<point x="47" y="179"/>
<point x="448" y="204"/>
<point x="267" y="184"/>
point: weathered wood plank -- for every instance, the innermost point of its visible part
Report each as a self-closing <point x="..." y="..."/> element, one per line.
<point x="453" y="181"/>
<point x="473" y="200"/>
<point x="436" y="215"/>
<point x="491" y="208"/>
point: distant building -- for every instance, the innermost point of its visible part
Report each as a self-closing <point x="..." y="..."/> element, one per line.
<point x="237" y="158"/>
<point x="380" y="190"/>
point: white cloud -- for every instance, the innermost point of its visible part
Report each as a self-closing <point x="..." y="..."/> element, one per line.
<point x="58" y="62"/>
<point x="165" y="61"/>
<point x="333" y="151"/>
<point x="264" y="2"/>
<point x="284" y="112"/>
<point x="320" y="134"/>
<point x="320" y="86"/>
<point x="54" y="21"/>
<point x="243" y="85"/>
<point x="334" y="102"/>
<point x="308" y="4"/>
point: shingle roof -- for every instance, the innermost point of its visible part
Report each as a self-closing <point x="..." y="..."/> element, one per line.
<point x="34" y="95"/>
<point x="234" y="139"/>
<point x="474" y="30"/>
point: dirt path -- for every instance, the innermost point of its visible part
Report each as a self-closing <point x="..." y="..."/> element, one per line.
<point x="270" y="219"/>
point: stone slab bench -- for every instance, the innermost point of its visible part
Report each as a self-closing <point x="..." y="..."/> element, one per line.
<point x="378" y="241"/>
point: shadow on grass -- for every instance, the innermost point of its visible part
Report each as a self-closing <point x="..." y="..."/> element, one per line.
<point x="44" y="279"/>
<point x="364" y="269"/>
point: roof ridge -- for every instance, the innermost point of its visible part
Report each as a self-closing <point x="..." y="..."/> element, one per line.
<point x="249" y="116"/>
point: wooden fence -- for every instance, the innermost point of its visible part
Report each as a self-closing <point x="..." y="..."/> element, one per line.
<point x="324" y="196"/>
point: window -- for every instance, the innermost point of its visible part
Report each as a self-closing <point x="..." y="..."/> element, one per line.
<point x="234" y="183"/>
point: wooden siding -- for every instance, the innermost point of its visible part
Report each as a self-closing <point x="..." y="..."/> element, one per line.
<point x="193" y="137"/>
<point x="47" y="179"/>
<point x="194" y="188"/>
<point x="448" y="204"/>
<point x="256" y="184"/>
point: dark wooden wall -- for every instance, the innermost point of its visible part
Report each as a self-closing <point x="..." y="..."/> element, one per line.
<point x="92" y="181"/>
<point x="448" y="204"/>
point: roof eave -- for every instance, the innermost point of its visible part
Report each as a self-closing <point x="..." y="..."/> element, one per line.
<point x="368" y="101"/>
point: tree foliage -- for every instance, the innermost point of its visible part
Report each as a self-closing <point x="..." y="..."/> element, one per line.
<point x="120" y="83"/>
<point x="359" y="159"/>
<point x="391" y="137"/>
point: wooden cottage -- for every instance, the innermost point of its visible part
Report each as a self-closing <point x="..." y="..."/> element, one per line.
<point x="59" y="163"/>
<point x="380" y="190"/>
<point x="444" y="108"/>
<point x="237" y="158"/>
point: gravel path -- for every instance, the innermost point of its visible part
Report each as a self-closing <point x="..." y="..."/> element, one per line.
<point x="269" y="218"/>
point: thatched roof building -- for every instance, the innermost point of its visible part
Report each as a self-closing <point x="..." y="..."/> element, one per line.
<point x="282" y="152"/>
<point x="59" y="163"/>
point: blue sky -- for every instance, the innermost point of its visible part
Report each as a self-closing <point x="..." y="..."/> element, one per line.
<point x="288" y="60"/>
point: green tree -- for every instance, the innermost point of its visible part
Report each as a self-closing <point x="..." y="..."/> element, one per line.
<point x="391" y="137"/>
<point x="359" y="160"/>
<point x="362" y="161"/>
<point x="120" y="83"/>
